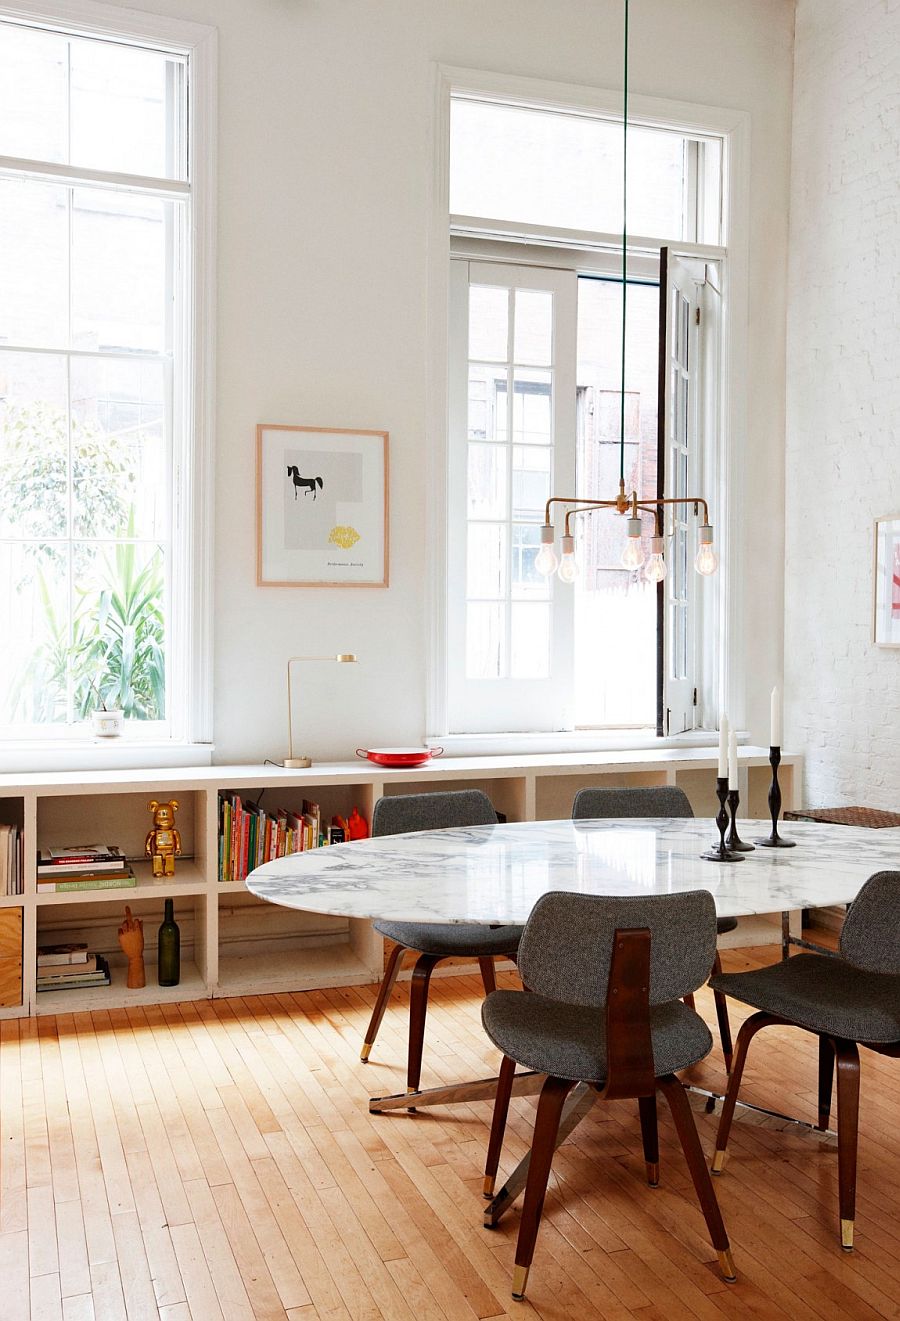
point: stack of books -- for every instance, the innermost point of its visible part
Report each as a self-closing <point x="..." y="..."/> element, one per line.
<point x="69" y="968"/>
<point x="83" y="867"/>
<point x="250" y="836"/>
<point x="11" y="872"/>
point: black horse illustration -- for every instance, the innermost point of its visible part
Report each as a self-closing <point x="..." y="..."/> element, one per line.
<point x="310" y="483"/>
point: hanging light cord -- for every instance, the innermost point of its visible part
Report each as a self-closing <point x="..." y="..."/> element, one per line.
<point x="624" y="246"/>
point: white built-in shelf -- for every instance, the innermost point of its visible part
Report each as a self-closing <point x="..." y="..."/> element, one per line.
<point x="234" y="944"/>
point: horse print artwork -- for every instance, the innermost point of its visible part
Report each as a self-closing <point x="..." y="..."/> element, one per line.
<point x="309" y="483"/>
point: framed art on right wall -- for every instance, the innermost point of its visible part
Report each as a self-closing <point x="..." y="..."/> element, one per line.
<point x="886" y="597"/>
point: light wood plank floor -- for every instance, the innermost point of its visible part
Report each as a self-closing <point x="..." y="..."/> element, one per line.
<point x="216" y="1160"/>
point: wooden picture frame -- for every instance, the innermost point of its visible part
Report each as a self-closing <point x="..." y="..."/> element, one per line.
<point x="886" y="582"/>
<point x="321" y="506"/>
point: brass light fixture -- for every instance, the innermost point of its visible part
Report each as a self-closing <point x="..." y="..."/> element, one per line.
<point x="706" y="561"/>
<point x="299" y="763"/>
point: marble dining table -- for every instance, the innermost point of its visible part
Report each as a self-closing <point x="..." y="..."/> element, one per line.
<point x="495" y="874"/>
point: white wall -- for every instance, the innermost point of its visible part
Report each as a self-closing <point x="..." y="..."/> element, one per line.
<point x="325" y="141"/>
<point x="843" y="455"/>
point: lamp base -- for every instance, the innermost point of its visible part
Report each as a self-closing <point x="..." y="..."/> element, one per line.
<point x="295" y="763"/>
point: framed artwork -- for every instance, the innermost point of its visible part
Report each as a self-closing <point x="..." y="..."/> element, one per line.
<point x="886" y="630"/>
<point x="321" y="507"/>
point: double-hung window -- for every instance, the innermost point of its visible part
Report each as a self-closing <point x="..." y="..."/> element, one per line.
<point x="100" y="527"/>
<point x="534" y="410"/>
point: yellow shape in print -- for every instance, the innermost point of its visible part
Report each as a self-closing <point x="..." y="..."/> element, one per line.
<point x="344" y="536"/>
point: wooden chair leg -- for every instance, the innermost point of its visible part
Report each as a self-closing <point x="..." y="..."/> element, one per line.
<point x="721" y="1003"/>
<point x="847" y="1058"/>
<point x="650" y="1136"/>
<point x="826" y="1079"/>
<point x="748" y="1031"/>
<point x="486" y="964"/>
<point x="395" y="958"/>
<point x="418" y="1005"/>
<point x="498" y="1124"/>
<point x="543" y="1145"/>
<point x="706" y="1194"/>
<point x="689" y="1000"/>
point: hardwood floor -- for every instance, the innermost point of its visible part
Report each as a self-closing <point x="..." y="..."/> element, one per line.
<point x="216" y="1160"/>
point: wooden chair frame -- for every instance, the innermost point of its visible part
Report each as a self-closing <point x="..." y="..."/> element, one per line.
<point x="833" y="1051"/>
<point x="630" y="1075"/>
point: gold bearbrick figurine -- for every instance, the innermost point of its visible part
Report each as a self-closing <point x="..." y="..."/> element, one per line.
<point x="163" y="842"/>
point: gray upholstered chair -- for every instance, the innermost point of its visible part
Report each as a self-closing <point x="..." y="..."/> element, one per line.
<point x="847" y="1000"/>
<point x="656" y="800"/>
<point x="605" y="979"/>
<point x="433" y="941"/>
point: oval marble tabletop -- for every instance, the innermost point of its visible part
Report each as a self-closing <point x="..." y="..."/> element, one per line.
<point x="495" y="873"/>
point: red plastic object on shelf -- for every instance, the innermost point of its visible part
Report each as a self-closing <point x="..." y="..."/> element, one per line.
<point x="399" y="757"/>
<point x="357" y="826"/>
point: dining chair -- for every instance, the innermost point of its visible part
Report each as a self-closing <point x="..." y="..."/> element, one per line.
<point x="848" y="1000"/>
<point x="603" y="1006"/>
<point x="433" y="941"/>
<point x="657" y="800"/>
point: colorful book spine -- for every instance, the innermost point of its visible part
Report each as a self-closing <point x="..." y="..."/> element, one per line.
<point x="89" y="883"/>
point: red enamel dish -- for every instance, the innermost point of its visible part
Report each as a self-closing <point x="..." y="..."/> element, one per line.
<point x="398" y="757"/>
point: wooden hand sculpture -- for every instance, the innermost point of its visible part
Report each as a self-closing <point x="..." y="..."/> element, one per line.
<point x="131" y="939"/>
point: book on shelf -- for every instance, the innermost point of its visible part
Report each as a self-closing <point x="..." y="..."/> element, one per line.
<point x="51" y="956"/>
<point x="98" y="977"/>
<point x="11" y="877"/>
<point x="75" y="881"/>
<point x="91" y="858"/>
<point x="250" y="836"/>
<point x="63" y="972"/>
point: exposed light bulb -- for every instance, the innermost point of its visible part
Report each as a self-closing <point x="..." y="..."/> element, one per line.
<point x="546" y="560"/>
<point x="656" y="565"/>
<point x="633" y="554"/>
<point x="706" y="560"/>
<point x="568" y="565"/>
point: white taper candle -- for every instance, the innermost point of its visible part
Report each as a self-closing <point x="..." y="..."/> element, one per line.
<point x="732" y="760"/>
<point x="723" y="746"/>
<point x="775" y="740"/>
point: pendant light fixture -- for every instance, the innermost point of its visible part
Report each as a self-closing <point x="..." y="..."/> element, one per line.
<point x="706" y="561"/>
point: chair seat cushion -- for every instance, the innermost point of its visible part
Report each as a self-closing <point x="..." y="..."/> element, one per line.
<point x="725" y="924"/>
<point x="822" y="994"/>
<point x="569" y="1041"/>
<point x="449" y="938"/>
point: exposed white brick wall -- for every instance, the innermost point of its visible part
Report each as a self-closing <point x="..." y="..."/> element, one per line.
<point x="843" y="404"/>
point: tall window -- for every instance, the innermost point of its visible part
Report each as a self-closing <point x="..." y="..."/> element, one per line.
<point x="95" y="381"/>
<point x="535" y="355"/>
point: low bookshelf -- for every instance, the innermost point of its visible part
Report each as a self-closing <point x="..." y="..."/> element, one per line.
<point x="231" y="942"/>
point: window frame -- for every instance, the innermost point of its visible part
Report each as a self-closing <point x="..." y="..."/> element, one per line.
<point x="191" y="603"/>
<point x="723" y="679"/>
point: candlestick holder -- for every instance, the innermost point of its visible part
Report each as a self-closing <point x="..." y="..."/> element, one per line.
<point x="734" y="840"/>
<point x="775" y="841"/>
<point x="720" y="852"/>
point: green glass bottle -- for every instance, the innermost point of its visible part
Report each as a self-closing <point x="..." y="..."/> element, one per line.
<point x="168" y="948"/>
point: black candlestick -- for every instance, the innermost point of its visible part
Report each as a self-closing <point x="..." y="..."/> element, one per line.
<point x="720" y="852"/>
<point x="734" y="840"/>
<point x="775" y="841"/>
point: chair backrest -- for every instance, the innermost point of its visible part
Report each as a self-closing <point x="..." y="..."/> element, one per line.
<point x="870" y="938"/>
<point x="566" y="948"/>
<point x="656" y="800"/>
<point x="403" y="813"/>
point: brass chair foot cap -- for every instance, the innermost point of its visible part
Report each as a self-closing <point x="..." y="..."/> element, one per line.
<point x="487" y="1188"/>
<point x="847" y="1235"/>
<point x="726" y="1265"/>
<point x="520" y="1280"/>
<point x="653" y="1173"/>
<point x="718" y="1164"/>
<point x="364" y="1053"/>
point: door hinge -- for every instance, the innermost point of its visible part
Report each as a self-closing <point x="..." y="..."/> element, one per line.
<point x="695" y="697"/>
<point x="668" y="718"/>
<point x="696" y="316"/>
